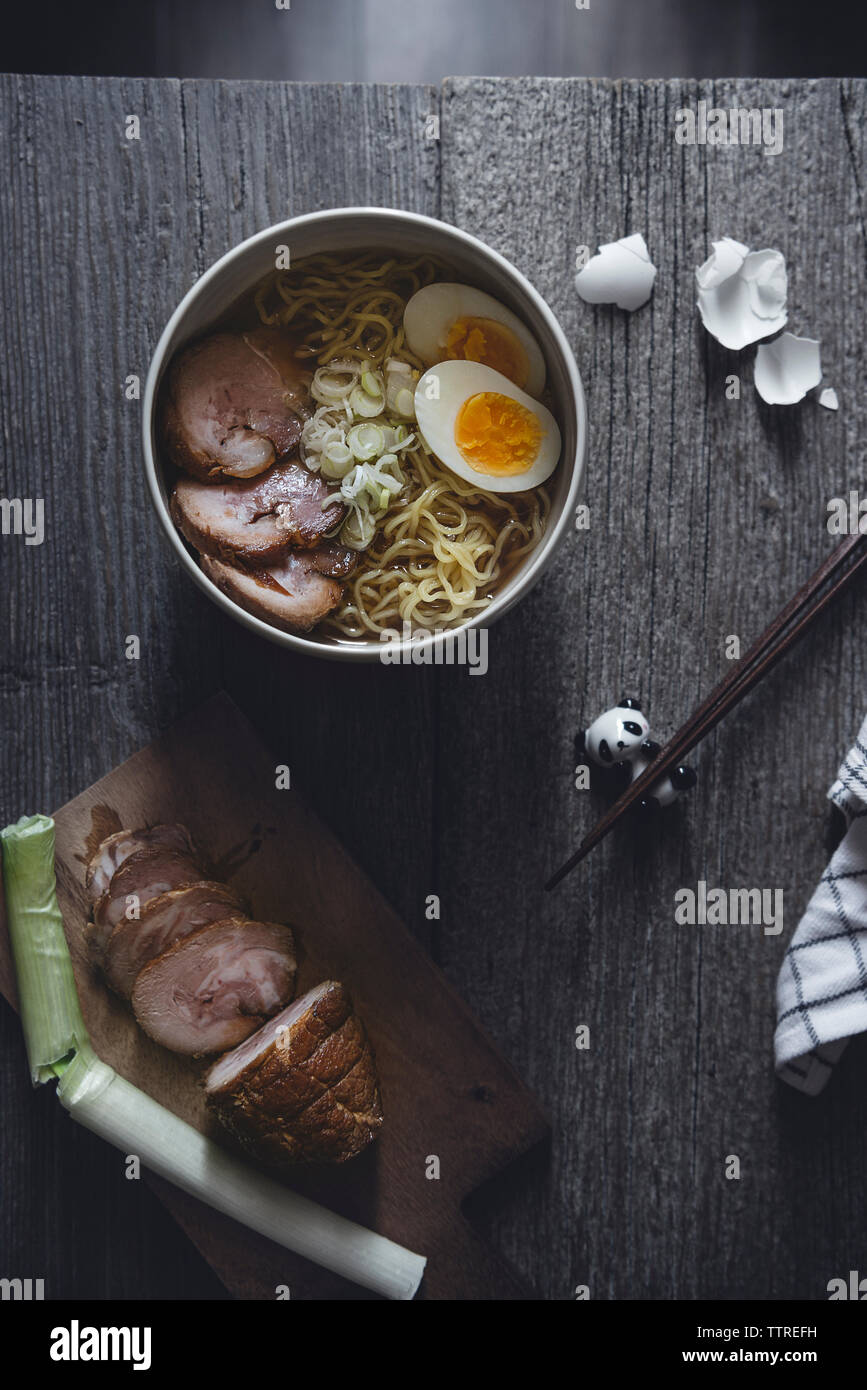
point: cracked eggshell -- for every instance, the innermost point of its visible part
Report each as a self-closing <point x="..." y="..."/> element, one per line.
<point x="787" y="369"/>
<point x="621" y="273"/>
<point x="742" y="293"/>
<point x="724" y="261"/>
<point x="828" y="399"/>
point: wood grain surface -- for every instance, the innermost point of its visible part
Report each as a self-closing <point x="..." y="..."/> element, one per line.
<point x="706" y="514"/>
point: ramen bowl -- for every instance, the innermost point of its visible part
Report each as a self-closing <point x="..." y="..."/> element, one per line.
<point x="401" y="233"/>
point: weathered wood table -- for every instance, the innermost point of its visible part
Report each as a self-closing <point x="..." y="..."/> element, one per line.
<point x="706" y="513"/>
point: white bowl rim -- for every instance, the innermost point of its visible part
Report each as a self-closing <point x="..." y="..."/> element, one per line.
<point x="529" y="573"/>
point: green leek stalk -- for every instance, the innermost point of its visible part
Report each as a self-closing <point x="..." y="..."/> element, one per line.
<point x="58" y="1047"/>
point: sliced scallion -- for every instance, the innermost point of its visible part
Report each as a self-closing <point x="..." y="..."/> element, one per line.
<point x="371" y="382"/>
<point x="365" y="406"/>
<point x="366" y="442"/>
<point x="336" y="460"/>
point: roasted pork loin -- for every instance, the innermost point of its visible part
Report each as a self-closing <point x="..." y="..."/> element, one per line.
<point x="293" y="595"/>
<point x="304" y="1088"/>
<point x="163" y="921"/>
<point x="112" y="852"/>
<point x="298" y="1083"/>
<point x="216" y="986"/>
<point x="239" y="521"/>
<point x="234" y="404"/>
<point x="144" y="875"/>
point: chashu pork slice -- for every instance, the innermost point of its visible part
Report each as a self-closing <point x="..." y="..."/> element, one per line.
<point x="293" y="595"/>
<point x="304" y="1088"/>
<point x="216" y="986"/>
<point x="117" y="848"/>
<point x="145" y="875"/>
<point x="163" y="921"/>
<point x="239" y="521"/>
<point x="234" y="404"/>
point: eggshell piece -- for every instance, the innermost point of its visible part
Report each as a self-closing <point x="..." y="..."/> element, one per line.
<point x="742" y="293"/>
<point x="725" y="261"/>
<point x="787" y="369"/>
<point x="620" y="273"/>
<point x="828" y="399"/>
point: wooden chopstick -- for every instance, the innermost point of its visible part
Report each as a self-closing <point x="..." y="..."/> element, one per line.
<point x="833" y="576"/>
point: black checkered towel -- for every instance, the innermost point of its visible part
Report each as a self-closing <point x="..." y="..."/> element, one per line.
<point x="822" y="985"/>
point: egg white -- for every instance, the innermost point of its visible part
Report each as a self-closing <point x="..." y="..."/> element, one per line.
<point x="457" y="382"/>
<point x="431" y="311"/>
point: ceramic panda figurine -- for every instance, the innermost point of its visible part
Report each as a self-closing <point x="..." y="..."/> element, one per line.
<point x="621" y="737"/>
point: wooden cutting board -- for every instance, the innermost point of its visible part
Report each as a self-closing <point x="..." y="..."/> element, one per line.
<point x="445" y="1090"/>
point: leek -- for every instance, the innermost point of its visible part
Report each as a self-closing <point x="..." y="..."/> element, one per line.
<point x="54" y="1030"/>
<point x="95" y="1096"/>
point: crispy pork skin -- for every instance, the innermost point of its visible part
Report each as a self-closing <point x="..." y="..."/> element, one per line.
<point x="216" y="986"/>
<point x="145" y="875"/>
<point x="234" y="404"/>
<point x="118" y="847"/>
<point x="239" y="521"/>
<point x="292" y="595"/>
<point x="163" y="921"/>
<point x="304" y="1088"/>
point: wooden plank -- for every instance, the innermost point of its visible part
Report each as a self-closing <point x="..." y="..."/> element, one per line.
<point x="103" y="236"/>
<point x="445" y="1091"/>
<point x="706" y="514"/>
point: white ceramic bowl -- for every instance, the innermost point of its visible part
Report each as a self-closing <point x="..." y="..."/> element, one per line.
<point x="351" y="229"/>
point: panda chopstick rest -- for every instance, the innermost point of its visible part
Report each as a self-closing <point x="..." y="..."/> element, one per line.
<point x="621" y="738"/>
<point x="835" y="574"/>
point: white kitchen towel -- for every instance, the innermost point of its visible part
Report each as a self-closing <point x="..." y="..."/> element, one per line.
<point x="822" y="985"/>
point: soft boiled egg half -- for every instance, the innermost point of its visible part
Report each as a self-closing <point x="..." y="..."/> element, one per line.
<point x="445" y="322"/>
<point x="484" y="428"/>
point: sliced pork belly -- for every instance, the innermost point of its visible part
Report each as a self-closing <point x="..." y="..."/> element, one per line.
<point x="304" y="1087"/>
<point x="118" y="847"/>
<point x="216" y="986"/>
<point x="292" y="595"/>
<point x="239" y="521"/>
<point x="164" y="920"/>
<point x="234" y="404"/>
<point x="145" y="875"/>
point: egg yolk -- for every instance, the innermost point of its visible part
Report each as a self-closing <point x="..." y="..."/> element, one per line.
<point x="484" y="340"/>
<point x="497" y="435"/>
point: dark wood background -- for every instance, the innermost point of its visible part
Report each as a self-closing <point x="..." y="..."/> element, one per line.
<point x="706" y="514"/>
